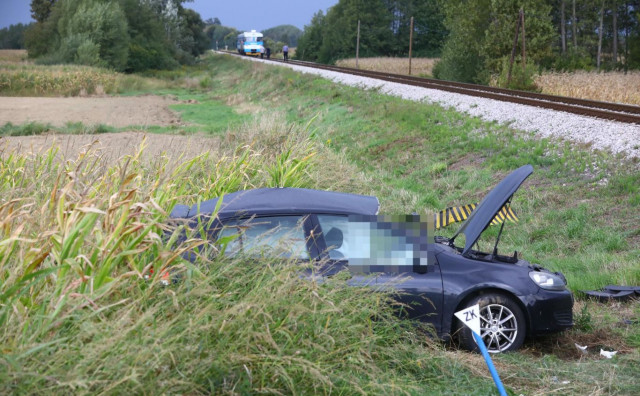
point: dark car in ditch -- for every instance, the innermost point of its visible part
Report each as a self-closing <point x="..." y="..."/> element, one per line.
<point x="434" y="276"/>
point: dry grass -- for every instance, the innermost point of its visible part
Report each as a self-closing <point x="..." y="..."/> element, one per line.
<point x="419" y="66"/>
<point x="609" y="87"/>
<point x="13" y="56"/>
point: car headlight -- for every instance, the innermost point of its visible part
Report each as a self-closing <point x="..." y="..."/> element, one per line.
<point x="547" y="280"/>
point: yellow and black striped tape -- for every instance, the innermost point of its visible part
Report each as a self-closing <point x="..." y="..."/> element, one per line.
<point x="456" y="214"/>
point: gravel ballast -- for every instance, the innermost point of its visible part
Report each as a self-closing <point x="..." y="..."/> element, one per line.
<point x="598" y="134"/>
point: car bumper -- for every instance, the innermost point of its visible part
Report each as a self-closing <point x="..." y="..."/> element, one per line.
<point x="550" y="311"/>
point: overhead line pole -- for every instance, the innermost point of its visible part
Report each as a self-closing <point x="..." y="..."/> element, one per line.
<point x="410" y="43"/>
<point x="513" y="50"/>
<point x="524" y="45"/>
<point x="358" y="45"/>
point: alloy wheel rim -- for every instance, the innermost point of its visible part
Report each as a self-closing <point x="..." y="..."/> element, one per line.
<point x="498" y="327"/>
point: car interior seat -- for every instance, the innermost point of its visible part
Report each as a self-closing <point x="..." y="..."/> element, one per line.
<point x="334" y="239"/>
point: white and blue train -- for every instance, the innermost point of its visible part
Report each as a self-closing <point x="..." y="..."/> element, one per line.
<point x="250" y="43"/>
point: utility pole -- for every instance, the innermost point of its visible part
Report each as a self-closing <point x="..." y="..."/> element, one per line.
<point x="524" y="45"/>
<point x="563" y="28"/>
<point x="358" y="45"/>
<point x="410" y="43"/>
<point x="513" y="50"/>
<point x="600" y="36"/>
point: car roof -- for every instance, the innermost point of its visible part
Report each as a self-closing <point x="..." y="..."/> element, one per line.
<point x="283" y="201"/>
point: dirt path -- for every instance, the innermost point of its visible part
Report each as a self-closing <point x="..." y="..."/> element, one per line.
<point x="113" y="111"/>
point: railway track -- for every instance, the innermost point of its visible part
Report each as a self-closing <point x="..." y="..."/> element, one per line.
<point x="603" y="110"/>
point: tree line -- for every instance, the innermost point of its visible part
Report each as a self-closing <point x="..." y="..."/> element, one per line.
<point x="560" y="35"/>
<point x="12" y="37"/>
<point x="126" y="35"/>
<point x="474" y="39"/>
<point x="384" y="27"/>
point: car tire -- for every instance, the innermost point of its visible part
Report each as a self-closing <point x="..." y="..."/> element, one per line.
<point x="502" y="324"/>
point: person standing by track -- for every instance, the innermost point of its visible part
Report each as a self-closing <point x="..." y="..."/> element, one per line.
<point x="285" y="52"/>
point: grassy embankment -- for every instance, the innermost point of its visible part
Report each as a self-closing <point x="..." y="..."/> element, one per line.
<point x="577" y="215"/>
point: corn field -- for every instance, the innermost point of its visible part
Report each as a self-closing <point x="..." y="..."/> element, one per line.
<point x="608" y="87"/>
<point x="419" y="66"/>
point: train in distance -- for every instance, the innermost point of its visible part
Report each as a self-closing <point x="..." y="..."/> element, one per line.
<point x="250" y="43"/>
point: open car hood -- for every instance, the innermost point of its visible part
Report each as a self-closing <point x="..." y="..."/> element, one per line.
<point x="481" y="217"/>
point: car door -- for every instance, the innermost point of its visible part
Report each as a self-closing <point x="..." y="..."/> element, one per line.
<point x="387" y="253"/>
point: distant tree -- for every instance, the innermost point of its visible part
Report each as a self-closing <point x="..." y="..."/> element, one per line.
<point x="462" y="56"/>
<point x="222" y="35"/>
<point x="194" y="39"/>
<point x="89" y="27"/>
<point x="12" y="37"/>
<point x="481" y="37"/>
<point x="149" y="47"/>
<point x="429" y="31"/>
<point x="286" y="33"/>
<point x="214" y="21"/>
<point x="633" y="50"/>
<point x="311" y="40"/>
<point x="341" y="22"/>
<point x="41" y="9"/>
<point x="129" y="35"/>
<point x="385" y="26"/>
<point x="498" y="36"/>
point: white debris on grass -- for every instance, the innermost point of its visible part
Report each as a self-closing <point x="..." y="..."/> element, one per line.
<point x="607" y="354"/>
<point x="582" y="348"/>
<point x="598" y="134"/>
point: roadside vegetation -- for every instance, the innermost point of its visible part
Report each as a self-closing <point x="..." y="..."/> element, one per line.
<point x="79" y="316"/>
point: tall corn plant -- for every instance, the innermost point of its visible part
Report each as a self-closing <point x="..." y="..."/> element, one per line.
<point x="290" y="171"/>
<point x="72" y="228"/>
<point x="96" y="224"/>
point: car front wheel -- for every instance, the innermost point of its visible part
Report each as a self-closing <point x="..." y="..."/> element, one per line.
<point x="502" y="324"/>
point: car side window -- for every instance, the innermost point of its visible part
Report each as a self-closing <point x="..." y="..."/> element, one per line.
<point x="277" y="236"/>
<point x="370" y="242"/>
<point x="342" y="239"/>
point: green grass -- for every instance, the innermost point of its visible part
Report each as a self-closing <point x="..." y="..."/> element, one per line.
<point x="36" y="128"/>
<point x="578" y="214"/>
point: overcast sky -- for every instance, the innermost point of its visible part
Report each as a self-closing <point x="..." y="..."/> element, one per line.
<point x="243" y="15"/>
